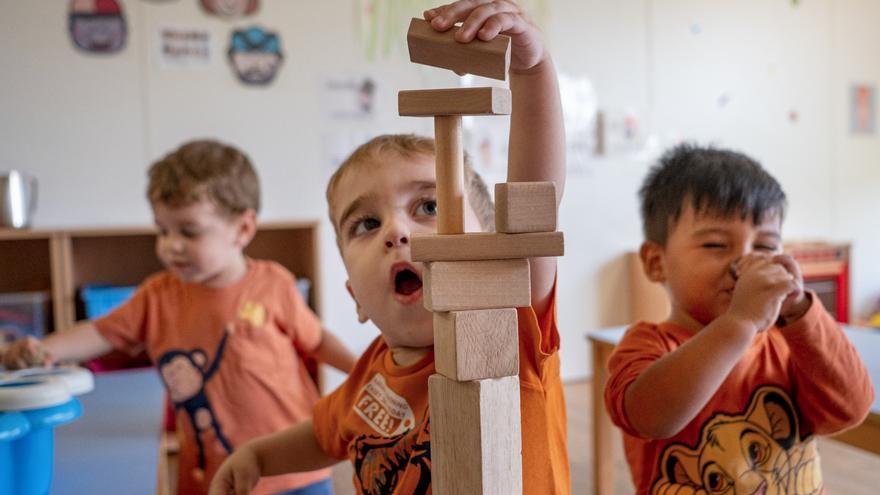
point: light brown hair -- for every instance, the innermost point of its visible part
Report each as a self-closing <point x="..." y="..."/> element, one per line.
<point x="209" y="170"/>
<point x="408" y="145"/>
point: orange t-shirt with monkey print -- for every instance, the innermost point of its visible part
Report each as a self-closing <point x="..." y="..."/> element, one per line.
<point x="378" y="418"/>
<point x="757" y="432"/>
<point x="227" y="359"/>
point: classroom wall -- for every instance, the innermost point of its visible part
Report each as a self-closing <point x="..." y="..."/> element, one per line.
<point x="727" y="72"/>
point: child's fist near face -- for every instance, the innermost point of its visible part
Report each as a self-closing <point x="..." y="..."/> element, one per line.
<point x="767" y="287"/>
<point x="486" y="19"/>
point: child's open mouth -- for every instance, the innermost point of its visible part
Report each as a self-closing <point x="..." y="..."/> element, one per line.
<point x="407" y="282"/>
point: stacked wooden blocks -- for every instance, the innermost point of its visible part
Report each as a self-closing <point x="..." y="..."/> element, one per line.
<point x="473" y="282"/>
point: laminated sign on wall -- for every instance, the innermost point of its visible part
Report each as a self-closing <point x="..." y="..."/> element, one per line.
<point x="97" y="26"/>
<point x="255" y="55"/>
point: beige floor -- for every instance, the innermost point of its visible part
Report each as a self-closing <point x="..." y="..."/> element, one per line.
<point x="847" y="471"/>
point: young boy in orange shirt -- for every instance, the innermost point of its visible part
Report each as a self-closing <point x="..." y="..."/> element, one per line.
<point x="221" y="327"/>
<point x="382" y="195"/>
<point x="727" y="395"/>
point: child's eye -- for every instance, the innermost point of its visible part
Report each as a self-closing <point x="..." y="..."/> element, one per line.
<point x="364" y="225"/>
<point x="427" y="208"/>
<point x="713" y="245"/>
<point x="189" y="234"/>
<point x="766" y="247"/>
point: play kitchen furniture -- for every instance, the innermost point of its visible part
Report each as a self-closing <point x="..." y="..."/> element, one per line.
<point x="33" y="403"/>
<point x="865" y="436"/>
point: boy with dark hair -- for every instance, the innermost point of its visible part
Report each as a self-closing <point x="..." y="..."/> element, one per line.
<point x="727" y="394"/>
<point x="221" y="327"/>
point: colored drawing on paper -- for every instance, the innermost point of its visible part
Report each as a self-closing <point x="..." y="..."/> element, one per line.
<point x="255" y="55"/>
<point x="863" y="109"/>
<point x="97" y="26"/>
<point x="230" y="9"/>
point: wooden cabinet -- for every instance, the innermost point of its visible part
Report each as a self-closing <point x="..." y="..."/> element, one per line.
<point x="63" y="261"/>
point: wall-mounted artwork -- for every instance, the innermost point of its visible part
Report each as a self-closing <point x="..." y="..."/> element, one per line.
<point x="255" y="55"/>
<point x="863" y="109"/>
<point x="230" y="9"/>
<point x="183" y="47"/>
<point x="97" y="26"/>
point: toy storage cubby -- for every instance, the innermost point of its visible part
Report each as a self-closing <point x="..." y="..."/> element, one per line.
<point x="60" y="262"/>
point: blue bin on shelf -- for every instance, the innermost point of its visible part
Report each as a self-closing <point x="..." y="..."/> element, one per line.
<point x="101" y="299"/>
<point x="32" y="404"/>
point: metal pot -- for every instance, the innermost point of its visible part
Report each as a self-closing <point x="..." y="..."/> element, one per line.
<point x="18" y="199"/>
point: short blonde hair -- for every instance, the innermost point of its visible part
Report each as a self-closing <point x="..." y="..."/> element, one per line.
<point x="209" y="170"/>
<point x="408" y="145"/>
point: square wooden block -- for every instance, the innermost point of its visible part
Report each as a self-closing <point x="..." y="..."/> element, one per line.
<point x="525" y="207"/>
<point x="474" y="345"/>
<point x="476" y="438"/>
<point x="464" y="285"/>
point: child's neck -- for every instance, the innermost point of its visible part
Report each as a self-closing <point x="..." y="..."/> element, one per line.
<point x="406" y="356"/>
<point x="235" y="272"/>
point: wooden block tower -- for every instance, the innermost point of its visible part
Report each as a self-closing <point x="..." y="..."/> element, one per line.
<point x="473" y="282"/>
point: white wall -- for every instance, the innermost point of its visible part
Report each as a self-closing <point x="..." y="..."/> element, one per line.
<point x="728" y="72"/>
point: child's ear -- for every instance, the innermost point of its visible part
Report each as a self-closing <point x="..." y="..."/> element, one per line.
<point x="362" y="316"/>
<point x="247" y="227"/>
<point x="651" y="255"/>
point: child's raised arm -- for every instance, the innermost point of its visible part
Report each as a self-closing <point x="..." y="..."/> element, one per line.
<point x="292" y="450"/>
<point x="537" y="133"/>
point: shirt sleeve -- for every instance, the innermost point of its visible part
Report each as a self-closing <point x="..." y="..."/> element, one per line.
<point x="540" y="335"/>
<point x="640" y="347"/>
<point x="126" y="326"/>
<point x="834" y="391"/>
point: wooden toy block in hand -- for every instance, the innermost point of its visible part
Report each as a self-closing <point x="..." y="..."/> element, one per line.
<point x="465" y="285"/>
<point x="455" y="101"/>
<point x="482" y="58"/>
<point x="486" y="246"/>
<point x="476" y="445"/>
<point x="525" y="207"/>
<point x="475" y="345"/>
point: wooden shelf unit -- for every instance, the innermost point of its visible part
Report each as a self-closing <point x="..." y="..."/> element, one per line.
<point x="63" y="261"/>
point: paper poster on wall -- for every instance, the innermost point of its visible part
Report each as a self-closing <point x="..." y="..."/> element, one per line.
<point x="255" y="55"/>
<point x="349" y="98"/>
<point x="97" y="26"/>
<point x="183" y="47"/>
<point x="230" y="9"/>
<point x="863" y="109"/>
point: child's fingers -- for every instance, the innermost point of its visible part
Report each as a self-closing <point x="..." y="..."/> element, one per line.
<point x="790" y="264"/>
<point x="243" y="484"/>
<point x="487" y="20"/>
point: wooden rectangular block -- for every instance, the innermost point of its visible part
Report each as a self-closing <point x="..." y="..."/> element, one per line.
<point x="464" y="285"/>
<point x="482" y="58"/>
<point x="475" y="345"/>
<point x="486" y="246"/>
<point x="476" y="438"/>
<point x="525" y="207"/>
<point x="455" y="101"/>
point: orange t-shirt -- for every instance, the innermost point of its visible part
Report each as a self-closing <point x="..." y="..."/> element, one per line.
<point x="226" y="357"/>
<point x="379" y="420"/>
<point x="758" y="428"/>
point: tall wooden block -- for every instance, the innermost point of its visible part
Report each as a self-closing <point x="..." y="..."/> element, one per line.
<point x="449" y="167"/>
<point x="486" y="246"/>
<point x="525" y="207"/>
<point x="474" y="345"/>
<point x="455" y="101"/>
<point x="464" y="285"/>
<point x="476" y="442"/>
<point x="483" y="58"/>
